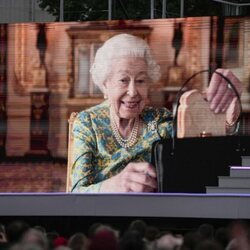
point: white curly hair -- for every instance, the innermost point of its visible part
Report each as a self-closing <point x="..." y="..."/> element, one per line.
<point x="119" y="46"/>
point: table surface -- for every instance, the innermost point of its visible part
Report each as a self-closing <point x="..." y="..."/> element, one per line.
<point x="227" y="206"/>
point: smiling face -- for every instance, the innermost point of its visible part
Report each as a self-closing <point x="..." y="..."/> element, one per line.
<point x="127" y="87"/>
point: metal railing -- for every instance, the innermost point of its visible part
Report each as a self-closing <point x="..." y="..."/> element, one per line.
<point x="153" y="10"/>
<point x="237" y="7"/>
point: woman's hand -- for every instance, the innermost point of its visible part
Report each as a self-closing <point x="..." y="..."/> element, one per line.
<point x="222" y="97"/>
<point x="135" y="177"/>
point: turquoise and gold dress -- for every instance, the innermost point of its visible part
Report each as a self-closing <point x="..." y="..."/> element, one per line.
<point x="98" y="156"/>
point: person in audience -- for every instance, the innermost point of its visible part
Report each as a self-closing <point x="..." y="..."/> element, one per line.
<point x="98" y="227"/>
<point x="15" y="231"/>
<point x="191" y="241"/>
<point x="208" y="245"/>
<point x="206" y="231"/>
<point x="3" y="238"/>
<point x="78" y="241"/>
<point x="132" y="240"/>
<point x="222" y="236"/>
<point x="168" y="242"/>
<point x="40" y="228"/>
<point x="240" y="236"/>
<point x="93" y="228"/>
<point x="140" y="226"/>
<point x="51" y="236"/>
<point x="152" y="233"/>
<point x="35" y="237"/>
<point x="113" y="140"/>
<point x="60" y="241"/>
<point x="103" y="239"/>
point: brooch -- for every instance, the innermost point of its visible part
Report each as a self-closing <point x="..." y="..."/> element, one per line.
<point x="152" y="126"/>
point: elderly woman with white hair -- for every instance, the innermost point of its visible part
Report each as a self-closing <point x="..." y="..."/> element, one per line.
<point x="113" y="140"/>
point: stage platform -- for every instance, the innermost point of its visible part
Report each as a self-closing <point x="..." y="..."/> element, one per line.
<point x="217" y="206"/>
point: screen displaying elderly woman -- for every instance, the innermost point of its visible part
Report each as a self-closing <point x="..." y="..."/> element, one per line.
<point x="113" y="140"/>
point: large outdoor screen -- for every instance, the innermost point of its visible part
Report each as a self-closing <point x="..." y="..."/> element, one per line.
<point x="45" y="77"/>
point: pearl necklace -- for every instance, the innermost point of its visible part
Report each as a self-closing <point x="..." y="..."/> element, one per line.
<point x="131" y="140"/>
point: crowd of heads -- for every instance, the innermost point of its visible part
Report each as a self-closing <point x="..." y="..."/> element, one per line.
<point x="18" y="235"/>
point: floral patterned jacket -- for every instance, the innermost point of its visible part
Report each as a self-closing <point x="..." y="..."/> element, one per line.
<point x="98" y="156"/>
